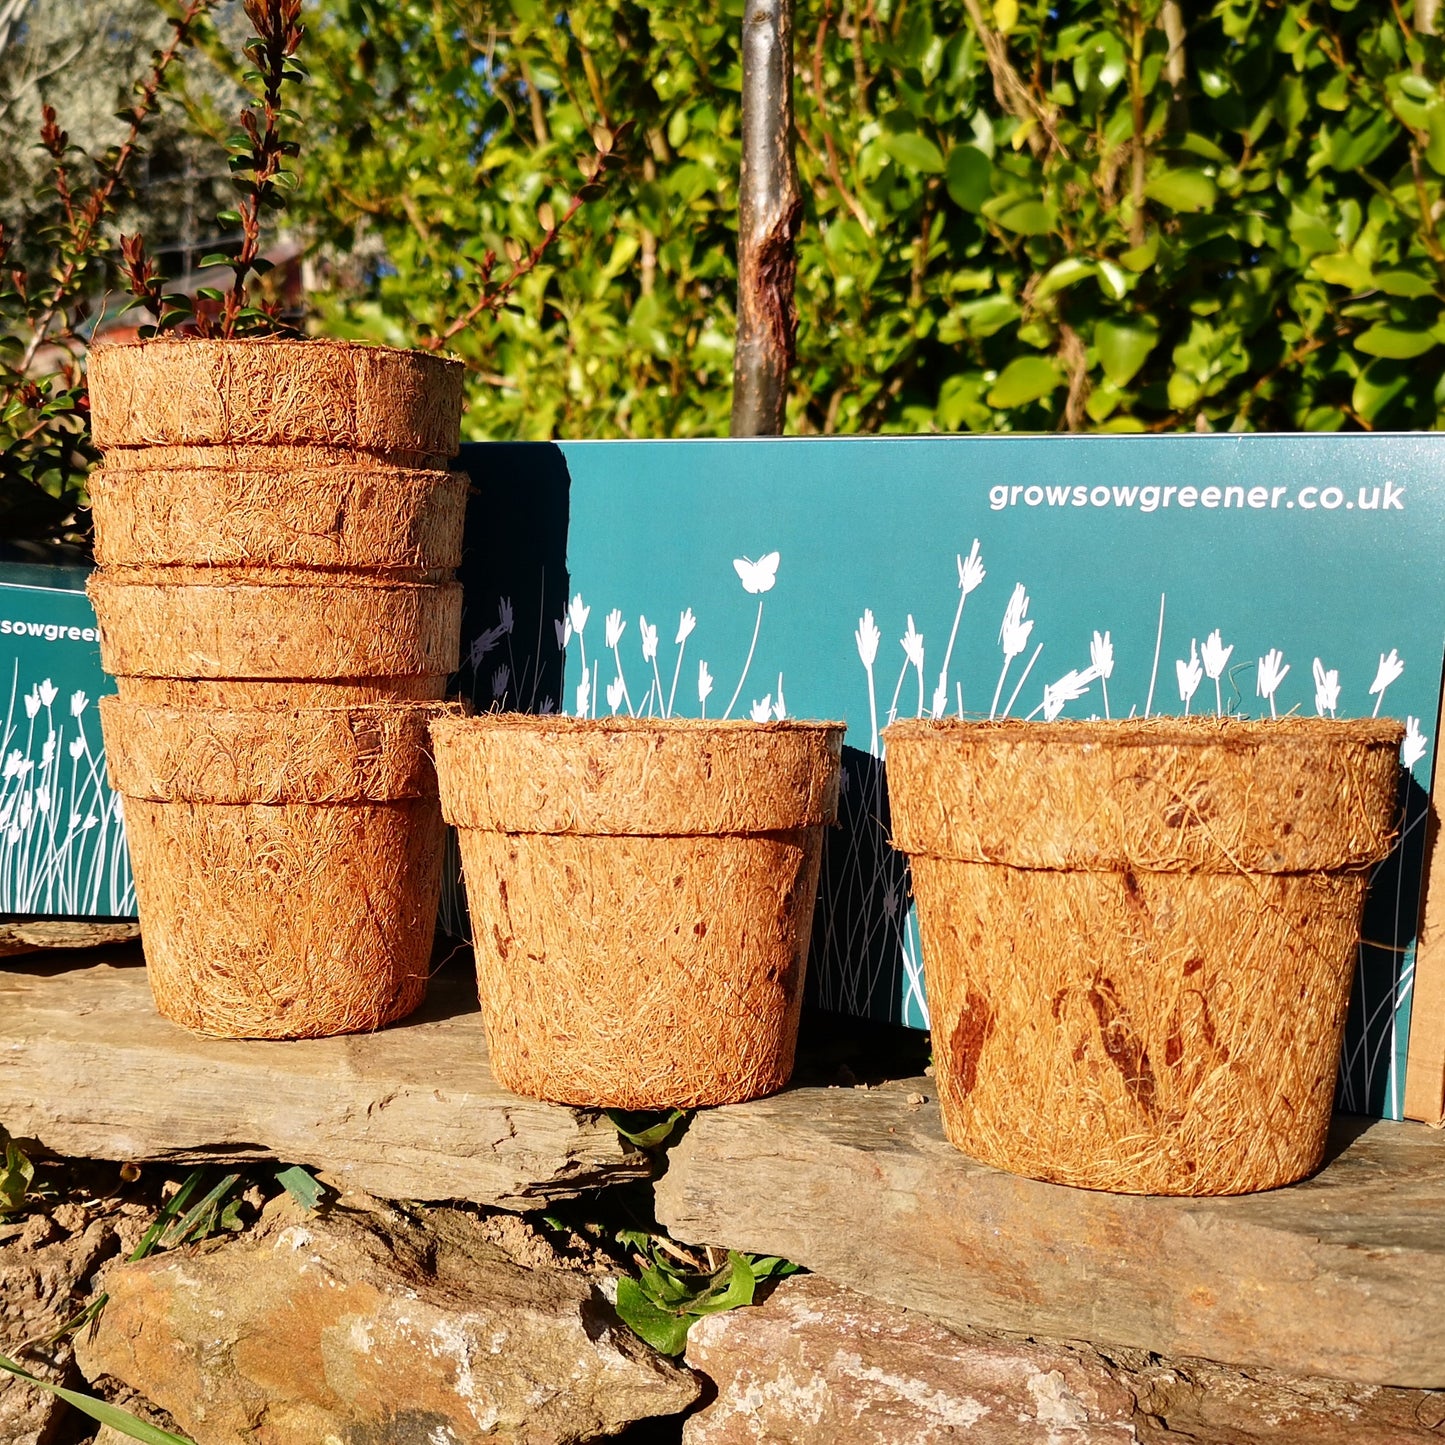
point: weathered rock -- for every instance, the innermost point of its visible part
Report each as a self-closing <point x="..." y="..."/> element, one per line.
<point x="52" y="933"/>
<point x="1342" y="1276"/>
<point x="44" y="1277"/>
<point x="368" y="1327"/>
<point x="817" y="1364"/>
<point x="88" y="1067"/>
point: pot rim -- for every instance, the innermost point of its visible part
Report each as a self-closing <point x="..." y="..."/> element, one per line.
<point x="560" y="722"/>
<point x="220" y="343"/>
<point x="1166" y="731"/>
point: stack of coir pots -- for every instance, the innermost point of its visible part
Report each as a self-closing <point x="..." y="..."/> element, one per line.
<point x="277" y="534"/>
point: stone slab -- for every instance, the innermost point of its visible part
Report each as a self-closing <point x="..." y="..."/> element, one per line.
<point x="90" y="1069"/>
<point x="1342" y="1276"/>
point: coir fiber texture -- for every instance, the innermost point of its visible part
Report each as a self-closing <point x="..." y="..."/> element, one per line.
<point x="287" y="864"/>
<point x="191" y="392"/>
<point x="403" y="522"/>
<point x="1138" y="937"/>
<point x="210" y="623"/>
<point x="641" y="896"/>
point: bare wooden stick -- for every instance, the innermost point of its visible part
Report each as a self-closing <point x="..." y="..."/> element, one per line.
<point x="770" y="210"/>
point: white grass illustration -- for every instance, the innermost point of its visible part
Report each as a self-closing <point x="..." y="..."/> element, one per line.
<point x="1190" y="674"/>
<point x="1272" y="671"/>
<point x="1013" y="637"/>
<point x="1215" y="657"/>
<point x="1390" y="669"/>
<point x="1327" y="689"/>
<point x="1101" y="659"/>
<point x="970" y="574"/>
<point x="62" y="835"/>
<point x="867" y="637"/>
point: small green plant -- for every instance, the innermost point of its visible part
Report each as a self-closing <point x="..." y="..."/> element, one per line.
<point x="258" y="154"/>
<point x="17" y="1175"/>
<point x="676" y="1287"/>
<point x="47" y="310"/>
<point x="647" y="1129"/>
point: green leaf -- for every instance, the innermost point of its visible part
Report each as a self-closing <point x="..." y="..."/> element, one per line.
<point x="169" y="1212"/>
<point x="1377" y="386"/>
<point x="1435" y="151"/>
<point x="1182" y="190"/>
<point x="732" y="1287"/>
<point x="1142" y="257"/>
<point x="17" y="1174"/>
<point x="1024" y="379"/>
<point x="1403" y="283"/>
<point x="1028" y="218"/>
<point x="1057" y="278"/>
<point x="914" y="151"/>
<point x="1123" y="348"/>
<point x="1343" y="270"/>
<point x="107" y="1414"/>
<point x="300" y="1185"/>
<point x="970" y="177"/>
<point x="663" y="1329"/>
<point x="1395" y="343"/>
<point x="645" y="1128"/>
<point x="1005" y="15"/>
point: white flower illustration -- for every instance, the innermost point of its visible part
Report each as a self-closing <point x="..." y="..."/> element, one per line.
<point x="970" y="570"/>
<point x="78" y="702"/>
<point x="757" y="576"/>
<point x="616" y="626"/>
<point x="1013" y="637"/>
<point x="577" y="614"/>
<point x="1389" y="671"/>
<point x="500" y="678"/>
<point x="704" y="686"/>
<point x="1327" y="689"/>
<point x="1215" y="656"/>
<point x="762" y="710"/>
<point x="504" y="614"/>
<point x="649" y="640"/>
<point x="12" y="765"/>
<point x="564" y="632"/>
<point x="47" y="691"/>
<point x="32" y="705"/>
<point x="1190" y="674"/>
<point x="685" y="625"/>
<point x="484" y="642"/>
<point x="1415" y="744"/>
<point x="77" y="749"/>
<point x="780" y="710"/>
<point x="971" y="573"/>
<point x="42" y="799"/>
<point x="912" y="644"/>
<point x="584" y="692"/>
<point x="1101" y="659"/>
<point x="616" y="690"/>
<point x="1073" y="684"/>
<point x="1272" y="672"/>
<point x="866" y="637"/>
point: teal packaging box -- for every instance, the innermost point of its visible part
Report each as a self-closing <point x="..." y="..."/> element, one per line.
<point x="873" y="578"/>
<point x="62" y="837"/>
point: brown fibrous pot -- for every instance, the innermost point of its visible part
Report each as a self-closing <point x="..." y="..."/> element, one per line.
<point x="287" y="864"/>
<point x="192" y="392"/>
<point x="641" y="894"/>
<point x="404" y="522"/>
<point x="219" y="623"/>
<point x="1138" y="937"/>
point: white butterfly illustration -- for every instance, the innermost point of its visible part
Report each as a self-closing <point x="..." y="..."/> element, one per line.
<point x="758" y="576"/>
